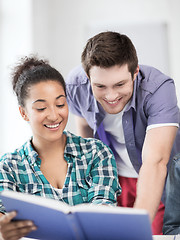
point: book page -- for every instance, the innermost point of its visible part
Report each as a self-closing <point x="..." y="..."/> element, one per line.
<point x="38" y="200"/>
<point x="63" y="207"/>
<point x="106" y="209"/>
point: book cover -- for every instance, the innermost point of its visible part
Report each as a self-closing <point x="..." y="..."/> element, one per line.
<point x="56" y="220"/>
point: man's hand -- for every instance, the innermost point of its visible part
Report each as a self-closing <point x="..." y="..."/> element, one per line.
<point x="13" y="230"/>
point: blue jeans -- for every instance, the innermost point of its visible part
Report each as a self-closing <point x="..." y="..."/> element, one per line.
<point x="172" y="203"/>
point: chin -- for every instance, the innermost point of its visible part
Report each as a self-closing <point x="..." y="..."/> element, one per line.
<point x="113" y="111"/>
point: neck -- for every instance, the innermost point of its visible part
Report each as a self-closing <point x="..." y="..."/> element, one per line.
<point x="46" y="149"/>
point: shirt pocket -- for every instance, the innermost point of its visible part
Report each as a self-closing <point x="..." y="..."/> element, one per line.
<point x="84" y="186"/>
<point x="31" y="188"/>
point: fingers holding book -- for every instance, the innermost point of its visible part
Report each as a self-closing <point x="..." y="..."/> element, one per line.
<point x="13" y="230"/>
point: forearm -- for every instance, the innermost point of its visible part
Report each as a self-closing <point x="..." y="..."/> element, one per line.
<point x="83" y="129"/>
<point x="85" y="132"/>
<point x="150" y="187"/>
<point x="155" y="156"/>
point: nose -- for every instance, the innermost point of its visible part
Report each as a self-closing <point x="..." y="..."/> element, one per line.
<point x="52" y="114"/>
<point x="111" y="95"/>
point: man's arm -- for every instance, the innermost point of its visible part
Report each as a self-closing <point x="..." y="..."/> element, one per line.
<point x="155" y="156"/>
<point x="83" y="129"/>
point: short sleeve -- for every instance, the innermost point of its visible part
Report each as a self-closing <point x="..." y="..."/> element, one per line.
<point x="77" y="90"/>
<point x="72" y="100"/>
<point x="161" y="106"/>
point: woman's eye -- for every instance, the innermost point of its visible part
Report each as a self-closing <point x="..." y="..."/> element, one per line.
<point x="60" y="106"/>
<point x="41" y="109"/>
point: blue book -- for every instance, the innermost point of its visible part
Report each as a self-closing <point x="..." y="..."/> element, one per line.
<point x="57" y="220"/>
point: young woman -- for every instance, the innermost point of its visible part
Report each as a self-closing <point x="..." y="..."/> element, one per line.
<point x="54" y="163"/>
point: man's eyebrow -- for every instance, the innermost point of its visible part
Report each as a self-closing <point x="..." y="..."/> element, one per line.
<point x="43" y="100"/>
<point x="120" y="82"/>
<point x="101" y="84"/>
<point x="96" y="83"/>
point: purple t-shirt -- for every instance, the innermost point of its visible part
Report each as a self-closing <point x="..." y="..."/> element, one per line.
<point x="153" y="102"/>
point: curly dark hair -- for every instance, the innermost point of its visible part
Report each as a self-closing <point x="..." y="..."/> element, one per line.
<point x="31" y="70"/>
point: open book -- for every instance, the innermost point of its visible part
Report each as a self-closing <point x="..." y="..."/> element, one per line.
<point x="58" y="221"/>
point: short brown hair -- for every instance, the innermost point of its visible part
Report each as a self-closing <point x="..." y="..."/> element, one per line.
<point x="108" y="49"/>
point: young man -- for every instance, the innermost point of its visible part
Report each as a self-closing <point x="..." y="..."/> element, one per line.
<point x="131" y="108"/>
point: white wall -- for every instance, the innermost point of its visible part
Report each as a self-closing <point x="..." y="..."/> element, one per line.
<point x="16" y="38"/>
<point x="70" y="21"/>
<point x="58" y="30"/>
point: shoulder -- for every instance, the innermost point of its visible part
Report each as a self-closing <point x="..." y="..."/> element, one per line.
<point x="9" y="156"/>
<point x="77" y="76"/>
<point x="86" y="145"/>
<point x="9" y="160"/>
<point x="78" y="87"/>
<point x="17" y="155"/>
<point x="150" y="78"/>
<point x="149" y="72"/>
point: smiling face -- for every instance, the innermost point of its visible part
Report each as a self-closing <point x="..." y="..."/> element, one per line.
<point x="46" y="110"/>
<point x="112" y="87"/>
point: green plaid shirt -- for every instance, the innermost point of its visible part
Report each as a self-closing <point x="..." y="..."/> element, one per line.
<point x="91" y="175"/>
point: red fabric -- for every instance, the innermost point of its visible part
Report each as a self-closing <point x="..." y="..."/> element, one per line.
<point x="127" y="198"/>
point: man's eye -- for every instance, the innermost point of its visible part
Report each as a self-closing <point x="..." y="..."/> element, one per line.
<point x="120" y="84"/>
<point x="100" y="86"/>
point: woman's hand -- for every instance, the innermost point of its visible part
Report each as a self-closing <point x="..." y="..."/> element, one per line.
<point x="13" y="230"/>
